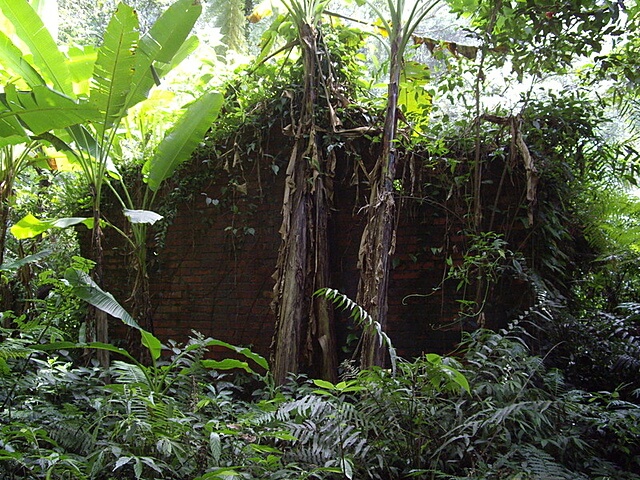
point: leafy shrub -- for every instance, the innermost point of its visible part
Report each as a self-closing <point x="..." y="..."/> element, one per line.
<point x="600" y="351"/>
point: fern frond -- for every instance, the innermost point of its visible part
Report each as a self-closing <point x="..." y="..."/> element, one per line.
<point x="129" y="374"/>
<point x="362" y="318"/>
<point x="12" y="348"/>
<point x="542" y="466"/>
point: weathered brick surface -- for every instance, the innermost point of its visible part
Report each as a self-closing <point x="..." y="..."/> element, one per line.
<point x="220" y="284"/>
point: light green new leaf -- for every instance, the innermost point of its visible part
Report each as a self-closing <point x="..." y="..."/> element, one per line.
<point x="324" y="384"/>
<point x="81" y="64"/>
<point x="13" y="58"/>
<point x="186" y="49"/>
<point x="113" y="72"/>
<point x="161" y="44"/>
<point x="43" y="109"/>
<point x="30" y="226"/>
<point x="182" y="139"/>
<point x="46" y="55"/>
<point x="226" y="364"/>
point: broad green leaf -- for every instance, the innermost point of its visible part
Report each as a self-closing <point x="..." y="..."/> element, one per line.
<point x="182" y="139"/>
<point x="9" y="124"/>
<point x="122" y="461"/>
<point x="47" y="10"/>
<point x="113" y="72"/>
<point x="347" y="468"/>
<point x="324" y="384"/>
<point x="186" y="49"/>
<point x="96" y="345"/>
<point x="30" y="226"/>
<point x="43" y="109"/>
<point x="142" y="216"/>
<point x="13" y="58"/>
<point x="12" y="138"/>
<point x="221" y="474"/>
<point x="15" y="265"/>
<point x="46" y="55"/>
<point x="226" y="364"/>
<point x="212" y="342"/>
<point x="89" y="291"/>
<point x="171" y="30"/>
<point x="152" y="343"/>
<point x="71" y="221"/>
<point x="215" y="446"/>
<point x="81" y="63"/>
<point x="161" y="44"/>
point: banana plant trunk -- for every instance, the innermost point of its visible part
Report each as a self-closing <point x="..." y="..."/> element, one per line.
<point x="5" y="192"/>
<point x="98" y="320"/>
<point x="5" y="291"/>
<point x="304" y="323"/>
<point x="378" y="238"/>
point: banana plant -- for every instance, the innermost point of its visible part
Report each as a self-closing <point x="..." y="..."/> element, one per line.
<point x="303" y="257"/>
<point x="54" y="101"/>
<point x="377" y="241"/>
<point x="175" y="148"/>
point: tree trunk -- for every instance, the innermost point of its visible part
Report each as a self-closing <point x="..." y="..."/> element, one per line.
<point x="6" y="299"/>
<point x="304" y="325"/>
<point x="378" y="237"/>
<point x="98" y="321"/>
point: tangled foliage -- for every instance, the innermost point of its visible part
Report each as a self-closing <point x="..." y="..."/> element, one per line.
<point x="495" y="412"/>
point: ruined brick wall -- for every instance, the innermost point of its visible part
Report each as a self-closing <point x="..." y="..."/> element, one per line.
<point x="214" y="272"/>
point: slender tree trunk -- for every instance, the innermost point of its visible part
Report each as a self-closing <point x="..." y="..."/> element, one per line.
<point x="378" y="237"/>
<point x="98" y="321"/>
<point x="304" y="325"/>
<point x="6" y="299"/>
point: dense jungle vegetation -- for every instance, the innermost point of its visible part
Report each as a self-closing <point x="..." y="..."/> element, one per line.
<point x="109" y="101"/>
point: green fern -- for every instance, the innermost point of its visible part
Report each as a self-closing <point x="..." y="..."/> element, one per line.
<point x="324" y="430"/>
<point x="362" y="318"/>
<point x="542" y="466"/>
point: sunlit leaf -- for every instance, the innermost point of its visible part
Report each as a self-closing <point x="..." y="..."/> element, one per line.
<point x="46" y="55"/>
<point x="142" y="216"/>
<point x="182" y="139"/>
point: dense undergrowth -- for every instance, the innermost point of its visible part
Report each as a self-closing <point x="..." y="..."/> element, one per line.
<point x="495" y="411"/>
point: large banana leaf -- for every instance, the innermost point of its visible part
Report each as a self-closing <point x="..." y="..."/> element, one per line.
<point x="113" y="73"/>
<point x="86" y="289"/>
<point x="21" y="262"/>
<point x="46" y="55"/>
<point x="186" y="49"/>
<point x="47" y="347"/>
<point x="12" y="58"/>
<point x="30" y="226"/>
<point x="41" y="110"/>
<point x="182" y="139"/>
<point x="10" y="126"/>
<point x="81" y="63"/>
<point x="161" y="44"/>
